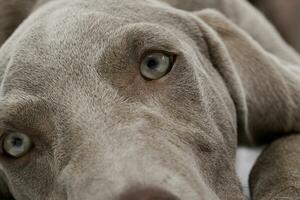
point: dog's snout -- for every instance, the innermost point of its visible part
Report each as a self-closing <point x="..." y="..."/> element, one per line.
<point x="148" y="194"/>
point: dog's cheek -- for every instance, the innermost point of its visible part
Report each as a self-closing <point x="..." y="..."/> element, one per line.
<point x="31" y="181"/>
<point x="4" y="191"/>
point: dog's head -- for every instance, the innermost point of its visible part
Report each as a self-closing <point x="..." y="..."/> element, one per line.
<point x="127" y="100"/>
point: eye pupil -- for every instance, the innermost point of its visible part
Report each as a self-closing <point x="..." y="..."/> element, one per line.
<point x="17" y="142"/>
<point x="152" y="63"/>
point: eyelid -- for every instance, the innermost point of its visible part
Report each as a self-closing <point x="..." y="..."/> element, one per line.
<point x="39" y="138"/>
<point x="2" y="137"/>
<point x="172" y="55"/>
<point x="1" y="143"/>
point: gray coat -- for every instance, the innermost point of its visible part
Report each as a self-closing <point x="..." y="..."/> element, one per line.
<point x="71" y="82"/>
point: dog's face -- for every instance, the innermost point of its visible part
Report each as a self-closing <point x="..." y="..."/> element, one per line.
<point x="114" y="100"/>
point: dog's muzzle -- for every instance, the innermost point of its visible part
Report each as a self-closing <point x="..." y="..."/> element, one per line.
<point x="150" y="193"/>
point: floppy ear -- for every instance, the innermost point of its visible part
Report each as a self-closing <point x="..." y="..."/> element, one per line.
<point x="12" y="13"/>
<point x="248" y="18"/>
<point x="265" y="89"/>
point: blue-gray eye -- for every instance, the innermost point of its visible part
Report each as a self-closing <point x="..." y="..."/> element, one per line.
<point x="156" y="65"/>
<point x="16" y="144"/>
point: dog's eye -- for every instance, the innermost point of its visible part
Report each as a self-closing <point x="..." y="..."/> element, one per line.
<point x="16" y="144"/>
<point x="156" y="65"/>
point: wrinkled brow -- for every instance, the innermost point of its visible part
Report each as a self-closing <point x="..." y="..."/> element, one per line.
<point x="24" y="112"/>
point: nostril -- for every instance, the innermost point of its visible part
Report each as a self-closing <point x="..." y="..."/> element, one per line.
<point x="147" y="194"/>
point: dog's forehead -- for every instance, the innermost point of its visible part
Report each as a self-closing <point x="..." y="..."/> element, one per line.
<point x="55" y="37"/>
<point x="99" y="18"/>
<point x="76" y="21"/>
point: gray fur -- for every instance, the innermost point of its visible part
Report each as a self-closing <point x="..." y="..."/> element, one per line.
<point x="71" y="81"/>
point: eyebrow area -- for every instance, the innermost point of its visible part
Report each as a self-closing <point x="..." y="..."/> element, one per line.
<point x="23" y="112"/>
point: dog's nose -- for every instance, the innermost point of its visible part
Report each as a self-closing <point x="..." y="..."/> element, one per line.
<point x="148" y="194"/>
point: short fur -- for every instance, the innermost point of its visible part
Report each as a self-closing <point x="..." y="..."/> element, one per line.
<point x="71" y="81"/>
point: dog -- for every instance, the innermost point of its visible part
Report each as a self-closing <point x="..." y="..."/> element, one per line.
<point x="144" y="100"/>
<point x="284" y="16"/>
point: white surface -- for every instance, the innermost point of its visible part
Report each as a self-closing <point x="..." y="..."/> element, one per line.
<point x="244" y="163"/>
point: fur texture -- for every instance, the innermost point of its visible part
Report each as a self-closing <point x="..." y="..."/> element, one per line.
<point x="284" y="16"/>
<point x="71" y="81"/>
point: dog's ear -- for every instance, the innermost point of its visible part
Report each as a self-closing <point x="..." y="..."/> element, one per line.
<point x="12" y="13"/>
<point x="265" y="89"/>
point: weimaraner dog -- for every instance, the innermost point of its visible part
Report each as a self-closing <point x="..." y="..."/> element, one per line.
<point x="144" y="100"/>
<point x="285" y="16"/>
